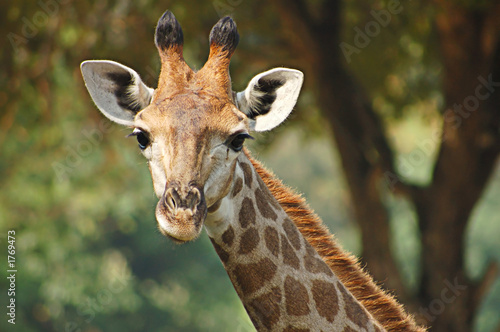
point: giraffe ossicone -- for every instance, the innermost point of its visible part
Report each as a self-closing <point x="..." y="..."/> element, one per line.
<point x="192" y="129"/>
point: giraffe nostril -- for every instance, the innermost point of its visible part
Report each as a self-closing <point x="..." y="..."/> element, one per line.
<point x="171" y="202"/>
<point x="195" y="197"/>
<point x="171" y="199"/>
<point x="192" y="198"/>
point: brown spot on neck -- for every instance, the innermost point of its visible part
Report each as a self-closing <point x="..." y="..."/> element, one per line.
<point x="266" y="308"/>
<point x="326" y="299"/>
<point x="314" y="264"/>
<point x="238" y="185"/>
<point x="251" y="277"/>
<point x="247" y="173"/>
<point x="296" y="298"/>
<point x="247" y="215"/>
<point x="228" y="236"/>
<point x="264" y="206"/>
<point x="272" y="240"/>
<point x="249" y="241"/>
<point x="214" y="207"/>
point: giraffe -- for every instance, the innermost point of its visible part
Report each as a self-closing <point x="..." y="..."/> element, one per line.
<point x="285" y="266"/>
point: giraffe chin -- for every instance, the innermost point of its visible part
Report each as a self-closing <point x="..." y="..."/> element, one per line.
<point x="181" y="225"/>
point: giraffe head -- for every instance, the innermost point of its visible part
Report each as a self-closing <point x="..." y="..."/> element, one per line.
<point x="192" y="127"/>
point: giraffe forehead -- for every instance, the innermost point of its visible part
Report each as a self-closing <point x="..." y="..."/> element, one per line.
<point x="192" y="114"/>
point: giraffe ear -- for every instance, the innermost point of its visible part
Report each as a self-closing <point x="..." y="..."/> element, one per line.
<point x="270" y="97"/>
<point x="117" y="90"/>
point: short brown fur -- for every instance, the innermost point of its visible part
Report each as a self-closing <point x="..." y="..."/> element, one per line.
<point x="380" y="304"/>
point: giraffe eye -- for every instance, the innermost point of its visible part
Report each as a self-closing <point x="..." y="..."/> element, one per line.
<point x="142" y="138"/>
<point x="236" y="143"/>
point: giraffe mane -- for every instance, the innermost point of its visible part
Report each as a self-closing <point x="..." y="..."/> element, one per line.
<point x="382" y="305"/>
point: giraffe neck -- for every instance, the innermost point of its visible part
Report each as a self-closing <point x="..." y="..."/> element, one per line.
<point x="383" y="306"/>
<point x="280" y="278"/>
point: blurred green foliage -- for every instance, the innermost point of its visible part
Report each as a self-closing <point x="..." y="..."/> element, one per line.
<point x="79" y="196"/>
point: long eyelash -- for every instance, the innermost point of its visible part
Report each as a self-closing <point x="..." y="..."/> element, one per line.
<point x="246" y="135"/>
<point x="136" y="132"/>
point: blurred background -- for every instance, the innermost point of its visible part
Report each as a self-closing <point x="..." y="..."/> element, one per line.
<point x="394" y="142"/>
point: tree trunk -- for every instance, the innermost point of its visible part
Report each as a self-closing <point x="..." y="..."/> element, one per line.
<point x="446" y="299"/>
<point x="469" y="149"/>
<point x="357" y="131"/>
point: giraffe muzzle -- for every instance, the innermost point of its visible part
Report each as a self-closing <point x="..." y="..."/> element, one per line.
<point x="181" y="212"/>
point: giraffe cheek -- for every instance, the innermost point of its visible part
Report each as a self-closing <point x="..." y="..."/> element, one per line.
<point x="218" y="185"/>
<point x="158" y="176"/>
